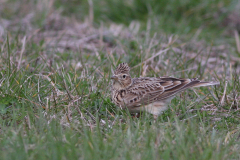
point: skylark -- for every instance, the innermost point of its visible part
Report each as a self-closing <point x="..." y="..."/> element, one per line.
<point x="148" y="93"/>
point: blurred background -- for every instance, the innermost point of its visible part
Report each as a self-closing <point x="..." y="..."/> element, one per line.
<point x="172" y="17"/>
<point x="128" y="30"/>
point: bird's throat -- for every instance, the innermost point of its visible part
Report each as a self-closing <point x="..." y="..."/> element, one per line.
<point x="119" y="86"/>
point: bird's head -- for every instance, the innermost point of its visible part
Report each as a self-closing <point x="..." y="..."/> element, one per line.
<point x="121" y="77"/>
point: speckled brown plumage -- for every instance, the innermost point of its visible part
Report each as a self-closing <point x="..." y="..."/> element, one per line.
<point x="147" y="93"/>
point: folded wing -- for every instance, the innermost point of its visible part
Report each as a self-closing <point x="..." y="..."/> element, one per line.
<point x="146" y="90"/>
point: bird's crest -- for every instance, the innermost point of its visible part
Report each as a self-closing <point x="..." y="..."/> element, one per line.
<point x="122" y="68"/>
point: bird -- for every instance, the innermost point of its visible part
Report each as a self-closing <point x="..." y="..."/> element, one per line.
<point x="150" y="94"/>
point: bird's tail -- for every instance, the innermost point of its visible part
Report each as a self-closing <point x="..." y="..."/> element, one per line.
<point x="182" y="85"/>
<point x="198" y="83"/>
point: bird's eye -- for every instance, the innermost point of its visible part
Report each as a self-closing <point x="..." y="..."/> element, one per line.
<point x="124" y="76"/>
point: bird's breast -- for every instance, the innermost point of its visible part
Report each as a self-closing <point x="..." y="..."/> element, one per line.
<point x="117" y="96"/>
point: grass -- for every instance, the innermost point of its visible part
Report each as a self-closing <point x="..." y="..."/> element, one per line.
<point x="178" y="17"/>
<point x="55" y="81"/>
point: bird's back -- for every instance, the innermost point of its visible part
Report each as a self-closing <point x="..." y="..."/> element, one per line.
<point x="146" y="90"/>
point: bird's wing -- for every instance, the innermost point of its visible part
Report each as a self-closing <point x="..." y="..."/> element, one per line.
<point x="146" y="90"/>
<point x="172" y="86"/>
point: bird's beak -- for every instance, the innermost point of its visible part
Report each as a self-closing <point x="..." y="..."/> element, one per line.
<point x="114" y="77"/>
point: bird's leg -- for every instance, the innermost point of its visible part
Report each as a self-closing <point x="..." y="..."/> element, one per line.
<point x="135" y="115"/>
<point x="155" y="117"/>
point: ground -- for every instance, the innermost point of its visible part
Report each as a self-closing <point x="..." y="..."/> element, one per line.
<point x="57" y="58"/>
